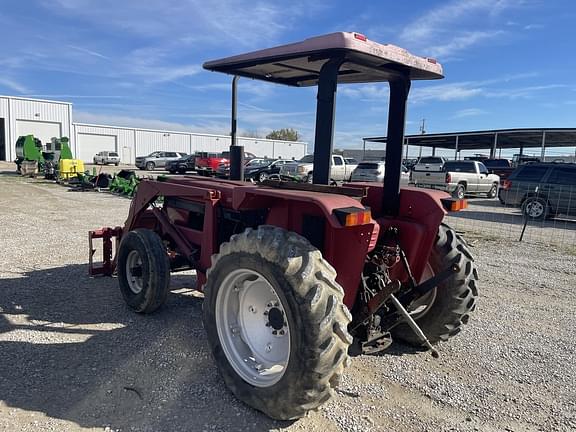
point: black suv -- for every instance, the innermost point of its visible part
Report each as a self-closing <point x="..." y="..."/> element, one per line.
<point x="541" y="189"/>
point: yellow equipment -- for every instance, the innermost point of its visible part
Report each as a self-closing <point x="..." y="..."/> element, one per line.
<point x="70" y="168"/>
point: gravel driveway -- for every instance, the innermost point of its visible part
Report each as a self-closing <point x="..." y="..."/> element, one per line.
<point x="73" y="357"/>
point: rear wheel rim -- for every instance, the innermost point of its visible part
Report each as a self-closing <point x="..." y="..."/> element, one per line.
<point x="134" y="272"/>
<point x="252" y="327"/>
<point x="534" y="209"/>
<point x="419" y="307"/>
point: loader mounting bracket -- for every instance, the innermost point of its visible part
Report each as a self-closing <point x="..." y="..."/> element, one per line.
<point x="108" y="265"/>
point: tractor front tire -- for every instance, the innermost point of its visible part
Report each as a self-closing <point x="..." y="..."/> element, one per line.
<point x="143" y="270"/>
<point x="275" y="321"/>
<point x="454" y="299"/>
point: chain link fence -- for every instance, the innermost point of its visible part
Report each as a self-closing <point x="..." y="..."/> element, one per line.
<point x="544" y="216"/>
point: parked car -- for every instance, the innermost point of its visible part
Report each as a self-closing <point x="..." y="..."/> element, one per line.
<point x="106" y="157"/>
<point x="459" y="178"/>
<point x="157" y="159"/>
<point x="223" y="169"/>
<point x="373" y="171"/>
<point x="409" y="163"/>
<point x="303" y="169"/>
<point x="541" y="189"/>
<point x="182" y="165"/>
<point x="263" y="169"/>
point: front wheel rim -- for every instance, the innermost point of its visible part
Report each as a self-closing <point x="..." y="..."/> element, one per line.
<point x="252" y="327"/>
<point x="134" y="272"/>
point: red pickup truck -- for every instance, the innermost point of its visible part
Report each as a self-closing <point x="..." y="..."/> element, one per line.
<point x="208" y="162"/>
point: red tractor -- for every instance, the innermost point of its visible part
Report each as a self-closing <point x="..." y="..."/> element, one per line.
<point x="298" y="277"/>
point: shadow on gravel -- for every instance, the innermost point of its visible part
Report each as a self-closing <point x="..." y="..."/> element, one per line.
<point x="72" y="350"/>
<point x="400" y="349"/>
<point x="10" y="173"/>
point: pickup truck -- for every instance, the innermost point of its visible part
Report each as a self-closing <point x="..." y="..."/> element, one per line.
<point x="303" y="170"/>
<point x="207" y="163"/>
<point x="460" y="178"/>
<point x="213" y="163"/>
<point x="501" y="167"/>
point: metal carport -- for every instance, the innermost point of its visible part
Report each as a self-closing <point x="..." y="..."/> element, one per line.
<point x="492" y="140"/>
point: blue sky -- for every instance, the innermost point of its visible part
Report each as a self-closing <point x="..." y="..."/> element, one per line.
<point x="508" y="63"/>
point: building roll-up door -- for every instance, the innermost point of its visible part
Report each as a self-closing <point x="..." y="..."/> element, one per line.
<point x="44" y="131"/>
<point x="90" y="144"/>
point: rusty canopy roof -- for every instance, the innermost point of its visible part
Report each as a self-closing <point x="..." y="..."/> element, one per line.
<point x="298" y="64"/>
<point x="497" y="138"/>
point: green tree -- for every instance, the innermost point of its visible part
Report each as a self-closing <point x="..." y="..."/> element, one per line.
<point x="286" y="134"/>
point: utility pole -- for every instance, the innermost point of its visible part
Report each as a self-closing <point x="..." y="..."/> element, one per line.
<point x="422" y="132"/>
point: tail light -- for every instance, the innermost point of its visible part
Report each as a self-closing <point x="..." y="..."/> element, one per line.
<point x="353" y="216"/>
<point x="506" y="185"/>
<point x="448" y="178"/>
<point x="451" y="204"/>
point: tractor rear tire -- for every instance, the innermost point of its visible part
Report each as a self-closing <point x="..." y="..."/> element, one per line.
<point x="281" y="274"/>
<point x="455" y="298"/>
<point x="143" y="270"/>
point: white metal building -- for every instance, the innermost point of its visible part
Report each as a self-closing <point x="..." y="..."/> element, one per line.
<point x="20" y="116"/>
<point x="46" y="119"/>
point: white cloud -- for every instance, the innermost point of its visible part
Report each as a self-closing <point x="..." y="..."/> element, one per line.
<point x="468" y="112"/>
<point x="149" y="123"/>
<point x="461" y="42"/>
<point x="241" y="22"/>
<point x="14" y="85"/>
<point x="445" y="92"/>
<point x="455" y="91"/>
<point x="88" y="52"/>
<point x="258" y="89"/>
<point x="533" y="26"/>
<point x="448" y="29"/>
<point x="365" y="92"/>
<point x="522" y="92"/>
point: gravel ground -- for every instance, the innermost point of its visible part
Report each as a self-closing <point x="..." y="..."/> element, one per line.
<point x="75" y="358"/>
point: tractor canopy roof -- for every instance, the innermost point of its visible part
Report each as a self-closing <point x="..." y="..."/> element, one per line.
<point x="298" y="64"/>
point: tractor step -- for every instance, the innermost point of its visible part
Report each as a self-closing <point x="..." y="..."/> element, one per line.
<point x="108" y="263"/>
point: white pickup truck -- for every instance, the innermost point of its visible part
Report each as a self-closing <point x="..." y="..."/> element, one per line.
<point x="459" y="178"/>
<point x="303" y="170"/>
